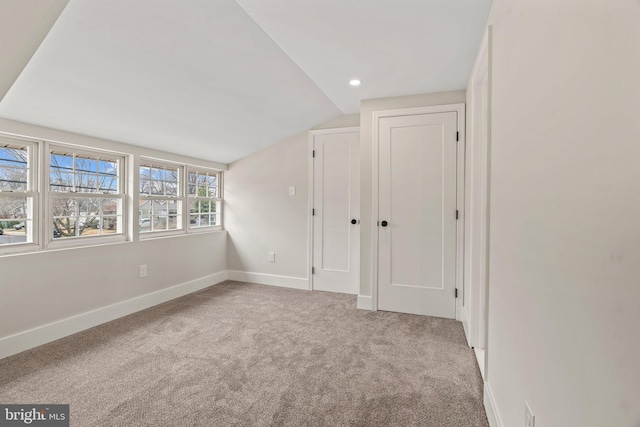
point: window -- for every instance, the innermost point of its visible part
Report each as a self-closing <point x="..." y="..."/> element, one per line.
<point x="55" y="195"/>
<point x="160" y="204"/>
<point x="204" y="198"/>
<point x="18" y="195"/>
<point x="86" y="192"/>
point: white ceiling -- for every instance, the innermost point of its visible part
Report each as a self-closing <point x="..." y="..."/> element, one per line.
<point x="222" y="79"/>
<point x="396" y="47"/>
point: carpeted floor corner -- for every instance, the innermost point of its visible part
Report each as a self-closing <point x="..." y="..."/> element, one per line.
<point x="240" y="354"/>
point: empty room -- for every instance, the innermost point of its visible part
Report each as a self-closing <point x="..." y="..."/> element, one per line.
<point x="320" y="213"/>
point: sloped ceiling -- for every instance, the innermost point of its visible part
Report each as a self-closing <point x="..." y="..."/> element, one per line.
<point x="23" y="26"/>
<point x="222" y="79"/>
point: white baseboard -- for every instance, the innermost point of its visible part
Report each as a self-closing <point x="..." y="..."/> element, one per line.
<point x="365" y="303"/>
<point x="270" y="279"/>
<point x="31" y="338"/>
<point x="490" y="407"/>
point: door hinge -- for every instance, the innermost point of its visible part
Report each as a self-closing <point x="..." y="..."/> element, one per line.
<point x="313" y="153"/>
<point x="457" y="136"/>
<point x="457" y="216"/>
<point x="313" y="270"/>
<point x="313" y="212"/>
<point x="456" y="292"/>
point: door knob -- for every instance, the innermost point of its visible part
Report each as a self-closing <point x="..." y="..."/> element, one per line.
<point x="353" y="221"/>
<point x="384" y="223"/>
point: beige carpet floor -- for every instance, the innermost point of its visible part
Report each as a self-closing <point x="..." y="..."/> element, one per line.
<point x="239" y="354"/>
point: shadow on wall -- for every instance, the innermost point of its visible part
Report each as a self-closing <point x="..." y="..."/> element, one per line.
<point x="234" y="261"/>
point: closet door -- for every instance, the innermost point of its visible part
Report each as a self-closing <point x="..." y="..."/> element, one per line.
<point x="417" y="214"/>
<point x="336" y="229"/>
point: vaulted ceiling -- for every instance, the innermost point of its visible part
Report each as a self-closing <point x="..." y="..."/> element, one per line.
<point x="220" y="79"/>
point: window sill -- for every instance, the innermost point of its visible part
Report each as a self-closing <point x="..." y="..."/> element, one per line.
<point x="178" y="233"/>
<point x="204" y="229"/>
<point x="150" y="235"/>
<point x="18" y="248"/>
<point x="68" y="243"/>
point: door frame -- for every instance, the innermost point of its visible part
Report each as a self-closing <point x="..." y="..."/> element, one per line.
<point x="476" y="324"/>
<point x="475" y="307"/>
<point x="459" y="109"/>
<point x="312" y="134"/>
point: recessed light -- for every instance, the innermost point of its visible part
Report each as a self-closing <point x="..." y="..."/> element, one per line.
<point x="355" y="82"/>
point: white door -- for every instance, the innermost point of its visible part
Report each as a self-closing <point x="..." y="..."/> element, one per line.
<point x="417" y="214"/>
<point x="336" y="186"/>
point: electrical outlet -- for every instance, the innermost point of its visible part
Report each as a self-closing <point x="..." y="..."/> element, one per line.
<point x="143" y="270"/>
<point x="272" y="257"/>
<point x="529" y="418"/>
<point x="292" y="191"/>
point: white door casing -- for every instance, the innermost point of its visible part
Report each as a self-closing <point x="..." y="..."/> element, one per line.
<point x="477" y="189"/>
<point x="335" y="184"/>
<point x="417" y="201"/>
<point x="477" y="185"/>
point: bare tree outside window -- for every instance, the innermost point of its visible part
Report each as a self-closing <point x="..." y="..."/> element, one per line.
<point x="81" y="186"/>
<point x="160" y="207"/>
<point x="204" y="199"/>
<point x="16" y="213"/>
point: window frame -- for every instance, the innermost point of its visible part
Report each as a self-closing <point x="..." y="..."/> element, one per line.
<point x="78" y="241"/>
<point x="32" y="192"/>
<point x="41" y="198"/>
<point x="219" y="199"/>
<point x="180" y="198"/>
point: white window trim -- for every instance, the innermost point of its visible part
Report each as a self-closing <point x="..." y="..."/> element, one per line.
<point x="33" y="188"/>
<point x="128" y="186"/>
<point x="72" y="242"/>
<point x="220" y="199"/>
<point x="181" y="167"/>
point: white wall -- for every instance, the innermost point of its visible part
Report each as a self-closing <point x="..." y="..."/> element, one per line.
<point x="45" y="287"/>
<point x="367" y="107"/>
<point x="565" y="201"/>
<point x="50" y="286"/>
<point x="261" y="217"/>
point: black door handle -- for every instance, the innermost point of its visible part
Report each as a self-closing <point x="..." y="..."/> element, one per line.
<point x="384" y="223"/>
<point x="353" y="221"/>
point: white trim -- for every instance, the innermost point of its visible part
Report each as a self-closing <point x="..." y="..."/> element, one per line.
<point x="32" y="191"/>
<point x="48" y="196"/>
<point x="375" y="204"/>
<point x="312" y="134"/>
<point x="476" y="190"/>
<point x="269" y="279"/>
<point x="462" y="144"/>
<point x="335" y="130"/>
<point x="365" y="303"/>
<point x="490" y="408"/>
<point x="488" y="201"/>
<point x="459" y="109"/>
<point x="40" y="335"/>
<point x="309" y="210"/>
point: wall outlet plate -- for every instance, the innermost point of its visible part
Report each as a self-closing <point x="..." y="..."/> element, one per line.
<point x="529" y="418"/>
<point x="292" y="191"/>
<point x="272" y="257"/>
<point x="143" y="270"/>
